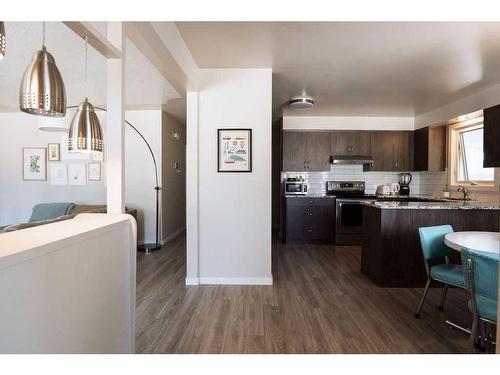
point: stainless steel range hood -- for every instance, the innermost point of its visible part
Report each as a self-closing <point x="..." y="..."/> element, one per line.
<point x="351" y="159"/>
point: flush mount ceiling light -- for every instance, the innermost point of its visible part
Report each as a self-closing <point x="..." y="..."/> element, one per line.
<point x="85" y="132"/>
<point x="3" y="41"/>
<point x="301" y="102"/>
<point x="42" y="90"/>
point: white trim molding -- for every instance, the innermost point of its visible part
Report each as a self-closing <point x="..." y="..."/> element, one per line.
<point x="236" y="280"/>
<point x="192" y="281"/>
<point x="347" y="123"/>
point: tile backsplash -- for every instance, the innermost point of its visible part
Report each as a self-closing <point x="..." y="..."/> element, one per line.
<point x="427" y="183"/>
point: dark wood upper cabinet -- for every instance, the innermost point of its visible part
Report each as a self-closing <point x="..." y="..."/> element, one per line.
<point x="391" y="151"/>
<point x="430" y="149"/>
<point x="350" y="143"/>
<point x="294" y="151"/>
<point x="491" y="140"/>
<point x="306" y="151"/>
<point x="318" y="151"/>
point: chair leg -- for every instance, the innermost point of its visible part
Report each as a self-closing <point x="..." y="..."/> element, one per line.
<point x="417" y="314"/>
<point x="473" y="336"/>
<point x="441" y="305"/>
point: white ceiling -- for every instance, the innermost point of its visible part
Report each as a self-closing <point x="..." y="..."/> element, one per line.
<point x="356" y="68"/>
<point x="145" y="86"/>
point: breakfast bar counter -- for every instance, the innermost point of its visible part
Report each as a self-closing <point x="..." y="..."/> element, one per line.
<point x="391" y="255"/>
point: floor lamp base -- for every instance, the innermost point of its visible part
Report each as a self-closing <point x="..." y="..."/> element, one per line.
<point x="148" y="247"/>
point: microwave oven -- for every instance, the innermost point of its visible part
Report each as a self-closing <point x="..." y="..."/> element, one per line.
<point x="295" y="188"/>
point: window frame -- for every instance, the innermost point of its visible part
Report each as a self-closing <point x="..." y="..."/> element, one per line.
<point x="455" y="149"/>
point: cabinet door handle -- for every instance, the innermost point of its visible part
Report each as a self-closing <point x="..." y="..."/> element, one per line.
<point x="305" y="164"/>
<point x="395" y="164"/>
<point x="309" y="231"/>
<point x="308" y="166"/>
<point x="310" y="214"/>
<point x="310" y="202"/>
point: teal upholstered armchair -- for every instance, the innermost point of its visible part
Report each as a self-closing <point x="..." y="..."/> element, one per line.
<point x="433" y="247"/>
<point x="481" y="275"/>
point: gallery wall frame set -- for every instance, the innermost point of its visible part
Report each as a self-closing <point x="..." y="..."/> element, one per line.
<point x="234" y="150"/>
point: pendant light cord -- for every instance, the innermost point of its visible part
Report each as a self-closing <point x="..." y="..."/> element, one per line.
<point x="86" y="65"/>
<point x="43" y="34"/>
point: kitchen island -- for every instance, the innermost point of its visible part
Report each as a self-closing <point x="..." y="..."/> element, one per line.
<point x="391" y="254"/>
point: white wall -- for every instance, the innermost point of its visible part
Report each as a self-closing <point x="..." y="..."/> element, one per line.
<point x="347" y="123"/>
<point x="69" y="287"/>
<point x="484" y="99"/>
<point x="17" y="197"/>
<point x="139" y="170"/>
<point x="234" y="211"/>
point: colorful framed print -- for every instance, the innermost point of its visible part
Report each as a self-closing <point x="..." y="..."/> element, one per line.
<point x="77" y="174"/>
<point x="54" y="151"/>
<point x="34" y="163"/>
<point x="94" y="171"/>
<point x="58" y="173"/>
<point x="234" y="150"/>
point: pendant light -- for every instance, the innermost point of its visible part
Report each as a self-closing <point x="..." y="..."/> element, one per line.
<point x="85" y="132"/>
<point x="3" y="40"/>
<point x="42" y="90"/>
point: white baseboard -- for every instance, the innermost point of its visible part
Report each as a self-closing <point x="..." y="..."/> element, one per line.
<point x="173" y="235"/>
<point x="237" y="280"/>
<point x="192" y="281"/>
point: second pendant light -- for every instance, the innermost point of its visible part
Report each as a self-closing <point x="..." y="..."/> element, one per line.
<point x="85" y="132"/>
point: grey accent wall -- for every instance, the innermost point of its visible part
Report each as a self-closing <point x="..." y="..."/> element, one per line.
<point x="173" y="180"/>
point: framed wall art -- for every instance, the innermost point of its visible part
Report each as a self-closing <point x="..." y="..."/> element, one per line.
<point x="58" y="173"/>
<point x="234" y="150"/>
<point x="98" y="156"/>
<point x="76" y="174"/>
<point x="54" y="151"/>
<point x="94" y="171"/>
<point x="34" y="163"/>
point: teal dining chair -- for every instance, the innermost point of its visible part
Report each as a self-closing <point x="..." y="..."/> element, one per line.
<point x="481" y="276"/>
<point x="434" y="248"/>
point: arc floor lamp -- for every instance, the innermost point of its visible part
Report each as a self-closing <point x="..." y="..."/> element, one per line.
<point x="147" y="247"/>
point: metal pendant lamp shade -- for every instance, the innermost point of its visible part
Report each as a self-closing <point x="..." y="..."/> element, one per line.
<point x="42" y="90"/>
<point x="85" y="132"/>
<point x="3" y="40"/>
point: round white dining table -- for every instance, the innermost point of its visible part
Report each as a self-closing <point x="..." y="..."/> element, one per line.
<point x="488" y="242"/>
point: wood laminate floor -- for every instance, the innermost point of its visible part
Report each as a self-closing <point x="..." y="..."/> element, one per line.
<point x="319" y="303"/>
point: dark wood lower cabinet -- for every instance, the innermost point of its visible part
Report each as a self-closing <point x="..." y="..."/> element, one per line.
<point x="391" y="255"/>
<point x="309" y="219"/>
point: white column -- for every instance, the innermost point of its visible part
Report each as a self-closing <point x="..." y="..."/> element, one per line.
<point x="115" y="133"/>
<point x="192" y="196"/>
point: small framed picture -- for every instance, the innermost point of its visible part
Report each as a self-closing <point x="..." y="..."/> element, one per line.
<point x="34" y="163"/>
<point x="76" y="174"/>
<point x="234" y="150"/>
<point x="54" y="151"/>
<point x="94" y="171"/>
<point x="58" y="173"/>
<point x="98" y="156"/>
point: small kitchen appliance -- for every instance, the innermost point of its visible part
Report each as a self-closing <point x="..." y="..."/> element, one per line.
<point x="294" y="186"/>
<point x="383" y="190"/>
<point x="404" y="182"/>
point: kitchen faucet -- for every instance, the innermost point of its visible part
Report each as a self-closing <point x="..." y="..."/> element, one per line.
<point x="465" y="192"/>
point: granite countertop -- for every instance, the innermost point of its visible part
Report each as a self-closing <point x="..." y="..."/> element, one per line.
<point x="310" y="195"/>
<point x="443" y="205"/>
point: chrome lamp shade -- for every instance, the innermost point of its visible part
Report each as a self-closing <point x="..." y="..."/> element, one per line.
<point x="42" y="90"/>
<point x="85" y="132"/>
<point x="3" y="41"/>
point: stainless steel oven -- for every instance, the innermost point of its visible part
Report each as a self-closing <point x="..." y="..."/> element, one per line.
<point x="349" y="210"/>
